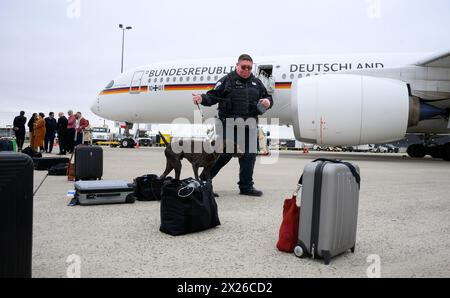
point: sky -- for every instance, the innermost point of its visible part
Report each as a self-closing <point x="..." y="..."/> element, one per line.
<point x="57" y="55"/>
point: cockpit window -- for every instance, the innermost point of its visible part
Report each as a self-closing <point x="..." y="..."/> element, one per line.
<point x="110" y="85"/>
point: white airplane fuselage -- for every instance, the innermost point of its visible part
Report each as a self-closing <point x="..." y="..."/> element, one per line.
<point x="162" y="92"/>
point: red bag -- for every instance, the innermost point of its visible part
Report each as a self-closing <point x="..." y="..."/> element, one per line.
<point x="288" y="236"/>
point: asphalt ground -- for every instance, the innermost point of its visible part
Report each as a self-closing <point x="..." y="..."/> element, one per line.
<point x="403" y="223"/>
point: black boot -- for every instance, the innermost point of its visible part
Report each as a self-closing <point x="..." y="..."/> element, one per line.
<point x="251" y="192"/>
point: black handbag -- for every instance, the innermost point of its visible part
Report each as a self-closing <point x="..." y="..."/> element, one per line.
<point x="148" y="187"/>
<point x="188" y="206"/>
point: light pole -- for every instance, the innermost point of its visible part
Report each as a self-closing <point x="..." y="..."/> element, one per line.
<point x="123" y="41"/>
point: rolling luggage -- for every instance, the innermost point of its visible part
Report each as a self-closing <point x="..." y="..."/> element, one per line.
<point x="16" y="215"/>
<point x="188" y="206"/>
<point x="45" y="163"/>
<point x="88" y="162"/>
<point x="148" y="187"/>
<point x="103" y="192"/>
<point x="329" y="209"/>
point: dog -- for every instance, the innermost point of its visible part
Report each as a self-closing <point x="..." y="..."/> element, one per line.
<point x="198" y="160"/>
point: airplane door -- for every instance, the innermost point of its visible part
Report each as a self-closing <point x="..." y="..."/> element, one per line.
<point x="264" y="72"/>
<point x="136" y="81"/>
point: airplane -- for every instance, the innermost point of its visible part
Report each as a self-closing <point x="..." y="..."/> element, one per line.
<point x="329" y="100"/>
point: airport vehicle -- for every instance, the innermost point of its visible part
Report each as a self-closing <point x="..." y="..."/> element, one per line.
<point x="100" y="134"/>
<point x="329" y="100"/>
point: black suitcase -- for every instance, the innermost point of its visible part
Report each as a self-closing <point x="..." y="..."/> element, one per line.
<point x="45" y="163"/>
<point x="16" y="215"/>
<point x="88" y="162"/>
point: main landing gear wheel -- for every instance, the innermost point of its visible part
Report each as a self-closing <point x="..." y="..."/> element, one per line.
<point x="417" y="150"/>
<point x="445" y="152"/>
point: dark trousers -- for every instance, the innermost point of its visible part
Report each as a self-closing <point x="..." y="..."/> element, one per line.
<point x="20" y="139"/>
<point x="70" y="140"/>
<point x="62" y="143"/>
<point x="48" y="143"/>
<point x="79" y="139"/>
<point x="246" y="167"/>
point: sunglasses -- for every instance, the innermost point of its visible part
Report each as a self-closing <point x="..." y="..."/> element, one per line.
<point x="246" y="67"/>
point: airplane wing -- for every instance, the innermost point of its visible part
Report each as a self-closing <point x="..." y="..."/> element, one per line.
<point x="439" y="60"/>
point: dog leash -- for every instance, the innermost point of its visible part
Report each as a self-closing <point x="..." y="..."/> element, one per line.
<point x="208" y="129"/>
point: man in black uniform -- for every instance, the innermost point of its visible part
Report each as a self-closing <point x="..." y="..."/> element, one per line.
<point x="19" y="130"/>
<point x="61" y="129"/>
<point x="50" y="131"/>
<point x="240" y="96"/>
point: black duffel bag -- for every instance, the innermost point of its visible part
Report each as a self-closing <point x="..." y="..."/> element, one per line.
<point x="148" y="187"/>
<point x="58" y="169"/>
<point x="187" y="206"/>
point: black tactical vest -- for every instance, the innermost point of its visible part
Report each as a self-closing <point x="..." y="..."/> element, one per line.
<point x="242" y="97"/>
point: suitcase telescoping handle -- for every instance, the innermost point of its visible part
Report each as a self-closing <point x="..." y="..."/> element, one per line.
<point x="349" y="165"/>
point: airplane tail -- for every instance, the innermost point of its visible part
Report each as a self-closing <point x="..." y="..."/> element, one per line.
<point x="163" y="138"/>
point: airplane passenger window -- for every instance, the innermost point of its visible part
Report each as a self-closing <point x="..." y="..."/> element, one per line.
<point x="156" y="80"/>
<point x="174" y="79"/>
<point x="300" y="76"/>
<point x="187" y="79"/>
<point x="292" y="76"/>
<point x="208" y="78"/>
<point x="308" y="75"/>
<point x="181" y="79"/>
<point x="161" y="80"/>
<point x="284" y="76"/>
<point x="201" y="78"/>
<point x="216" y="78"/>
<point x="168" y="79"/>
<point x="194" y="79"/>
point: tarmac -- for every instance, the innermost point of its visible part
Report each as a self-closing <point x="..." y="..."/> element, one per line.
<point x="403" y="223"/>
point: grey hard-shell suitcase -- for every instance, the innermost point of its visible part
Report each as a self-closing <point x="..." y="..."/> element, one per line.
<point x="16" y="215"/>
<point x="104" y="192"/>
<point x="329" y="209"/>
<point x="88" y="162"/>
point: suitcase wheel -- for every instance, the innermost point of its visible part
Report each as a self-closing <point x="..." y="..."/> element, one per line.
<point x="130" y="198"/>
<point x="299" y="251"/>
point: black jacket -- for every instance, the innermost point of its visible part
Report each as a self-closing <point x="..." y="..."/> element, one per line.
<point x="237" y="97"/>
<point x="50" y="126"/>
<point x="20" y="122"/>
<point x="62" y="126"/>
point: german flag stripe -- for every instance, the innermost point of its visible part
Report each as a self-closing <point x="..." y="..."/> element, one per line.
<point x="188" y="87"/>
<point x="179" y="87"/>
<point x="285" y="85"/>
<point x="124" y="90"/>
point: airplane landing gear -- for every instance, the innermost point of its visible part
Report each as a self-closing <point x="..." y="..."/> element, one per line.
<point x="429" y="148"/>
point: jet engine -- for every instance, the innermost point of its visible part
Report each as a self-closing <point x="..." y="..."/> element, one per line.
<point x="340" y="109"/>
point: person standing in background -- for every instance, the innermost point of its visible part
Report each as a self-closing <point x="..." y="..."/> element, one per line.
<point x="31" y="128"/>
<point x="50" y="131"/>
<point x="70" y="140"/>
<point x="62" y="133"/>
<point x="80" y="126"/>
<point x="39" y="133"/>
<point x="19" y="130"/>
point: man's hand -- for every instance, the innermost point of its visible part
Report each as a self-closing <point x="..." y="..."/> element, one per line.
<point x="265" y="102"/>
<point x="196" y="98"/>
